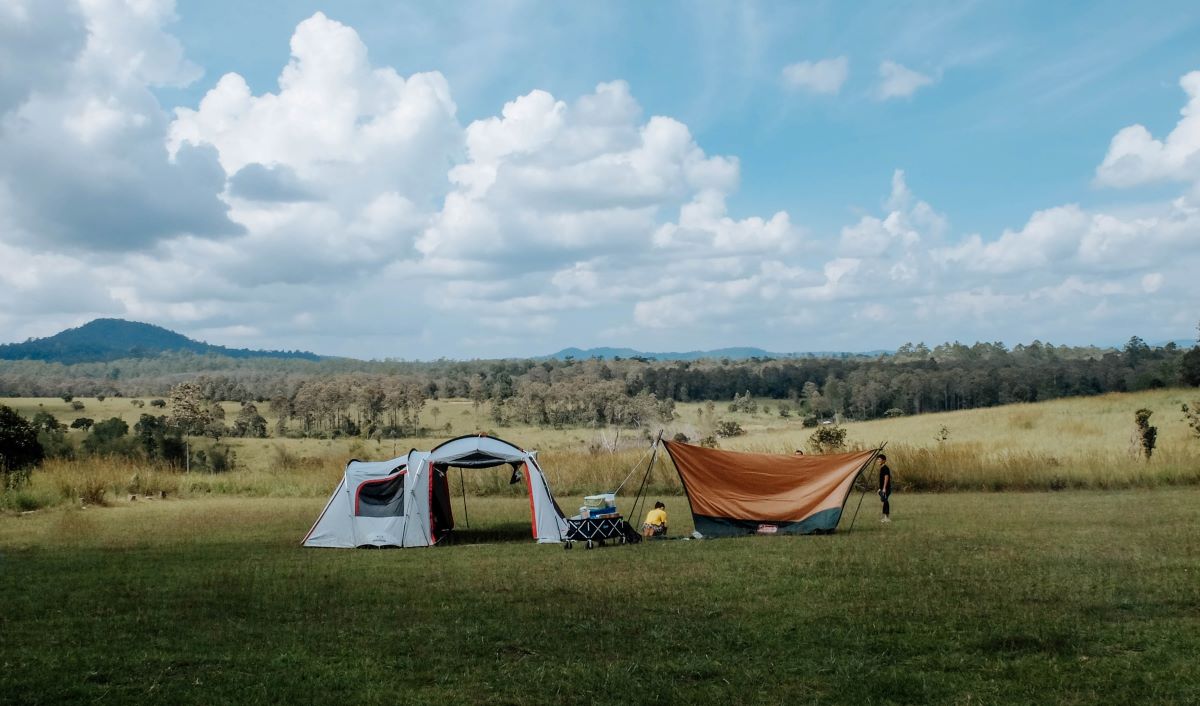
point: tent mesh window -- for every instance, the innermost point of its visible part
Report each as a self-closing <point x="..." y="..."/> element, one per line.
<point x="381" y="498"/>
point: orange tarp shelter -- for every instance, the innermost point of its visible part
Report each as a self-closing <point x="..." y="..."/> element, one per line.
<point x="733" y="493"/>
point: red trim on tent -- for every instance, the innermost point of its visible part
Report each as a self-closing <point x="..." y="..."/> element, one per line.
<point x="432" y="519"/>
<point x="532" y="509"/>
<point x="358" y="490"/>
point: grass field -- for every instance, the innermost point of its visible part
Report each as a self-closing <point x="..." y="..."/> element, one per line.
<point x="1073" y="597"/>
<point x="1080" y="443"/>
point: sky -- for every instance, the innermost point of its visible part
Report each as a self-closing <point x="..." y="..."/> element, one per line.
<point x="488" y="179"/>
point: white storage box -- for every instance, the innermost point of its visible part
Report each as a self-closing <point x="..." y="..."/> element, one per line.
<point x="602" y="501"/>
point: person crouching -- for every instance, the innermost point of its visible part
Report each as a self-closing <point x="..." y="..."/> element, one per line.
<point x="656" y="521"/>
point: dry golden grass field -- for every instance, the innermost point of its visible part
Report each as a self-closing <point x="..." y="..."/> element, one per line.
<point x="1062" y="444"/>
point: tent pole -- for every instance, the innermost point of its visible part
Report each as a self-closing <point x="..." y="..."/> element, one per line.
<point x="462" y="484"/>
<point x="855" y="518"/>
<point x="649" y="467"/>
<point x="864" y="493"/>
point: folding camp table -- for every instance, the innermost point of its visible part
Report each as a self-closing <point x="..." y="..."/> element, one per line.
<point x="594" y="531"/>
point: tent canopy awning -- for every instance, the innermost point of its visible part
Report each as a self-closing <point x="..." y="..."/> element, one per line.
<point x="476" y="451"/>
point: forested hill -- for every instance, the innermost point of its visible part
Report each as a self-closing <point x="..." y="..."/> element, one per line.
<point x="105" y="340"/>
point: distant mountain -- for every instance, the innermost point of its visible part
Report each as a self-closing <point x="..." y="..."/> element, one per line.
<point x="112" y="339"/>
<point x="741" y="353"/>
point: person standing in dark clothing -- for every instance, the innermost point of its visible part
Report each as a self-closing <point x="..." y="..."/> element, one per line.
<point x="885" y="487"/>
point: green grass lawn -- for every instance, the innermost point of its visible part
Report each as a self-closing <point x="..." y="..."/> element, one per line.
<point x="1074" y="597"/>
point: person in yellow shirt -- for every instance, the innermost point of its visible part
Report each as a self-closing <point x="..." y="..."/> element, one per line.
<point x="656" y="521"/>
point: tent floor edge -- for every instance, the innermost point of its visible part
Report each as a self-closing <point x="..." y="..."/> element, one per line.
<point x="823" y="522"/>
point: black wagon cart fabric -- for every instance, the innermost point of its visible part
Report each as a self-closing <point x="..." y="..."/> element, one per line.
<point x="595" y="531"/>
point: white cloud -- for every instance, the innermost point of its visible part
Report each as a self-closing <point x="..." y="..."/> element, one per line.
<point x="1070" y="239"/>
<point x="704" y="228"/>
<point x="905" y="227"/>
<point x="896" y="81"/>
<point x="373" y="223"/>
<point x="1135" y="157"/>
<point x="338" y="171"/>
<point x="39" y="41"/>
<point x="79" y="125"/>
<point x="1049" y="237"/>
<point x="128" y="38"/>
<point x="550" y="182"/>
<point x="824" y="76"/>
<point x="336" y="120"/>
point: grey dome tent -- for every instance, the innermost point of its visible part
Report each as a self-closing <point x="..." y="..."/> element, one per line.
<point x="405" y="502"/>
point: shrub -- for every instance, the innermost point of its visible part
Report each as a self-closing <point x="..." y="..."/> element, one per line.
<point x="894" y="412"/>
<point x="55" y="444"/>
<point x="221" y="459"/>
<point x="76" y="405"/>
<point x="44" y="421"/>
<point x="743" y="403"/>
<point x="249" y="422"/>
<point x="83" y="423"/>
<point x="1189" y="367"/>
<point x="680" y="437"/>
<point x="19" y="447"/>
<point x="828" y="438"/>
<point x="91" y="490"/>
<point x="51" y="434"/>
<point x="108" y="437"/>
<point x="727" y="428"/>
<point x="811" y="421"/>
<point x="158" y="403"/>
<point x="1191" y="415"/>
<point x="159" y="440"/>
<point x="27" y="500"/>
<point x="1146" y="434"/>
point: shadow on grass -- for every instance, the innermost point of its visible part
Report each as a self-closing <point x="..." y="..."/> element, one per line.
<point x="491" y="534"/>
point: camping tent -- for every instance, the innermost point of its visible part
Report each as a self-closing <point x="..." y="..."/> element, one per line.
<point x="746" y="493"/>
<point x="405" y="502"/>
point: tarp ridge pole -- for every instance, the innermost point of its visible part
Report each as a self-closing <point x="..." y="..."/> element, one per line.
<point x="646" y="477"/>
<point x="855" y="518"/>
<point x="864" y="493"/>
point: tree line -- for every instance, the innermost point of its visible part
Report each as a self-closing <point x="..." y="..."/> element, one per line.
<point x="386" y="398"/>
